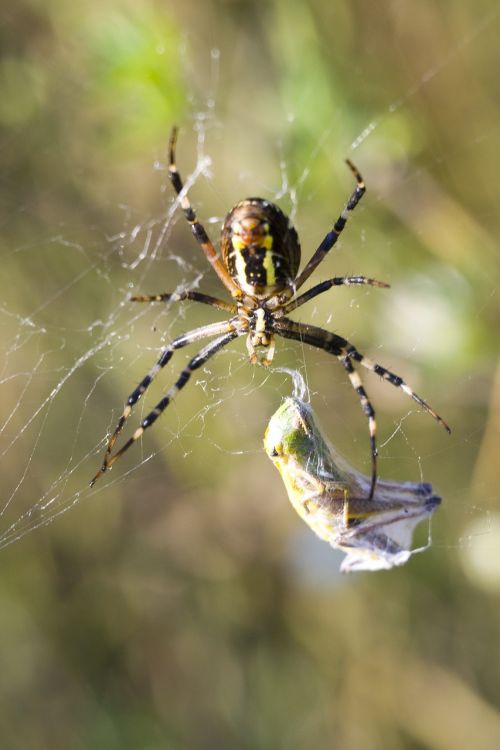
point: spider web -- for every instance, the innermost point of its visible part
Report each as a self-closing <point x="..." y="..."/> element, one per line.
<point x="53" y="377"/>
<point x="58" y="362"/>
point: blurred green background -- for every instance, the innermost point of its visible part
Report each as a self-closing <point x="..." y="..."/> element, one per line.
<point x="183" y="605"/>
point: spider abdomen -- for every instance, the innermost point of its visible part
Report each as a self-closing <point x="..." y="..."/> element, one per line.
<point x="260" y="248"/>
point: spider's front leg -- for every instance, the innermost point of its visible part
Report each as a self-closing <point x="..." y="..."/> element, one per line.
<point x="333" y="235"/>
<point x="197" y="228"/>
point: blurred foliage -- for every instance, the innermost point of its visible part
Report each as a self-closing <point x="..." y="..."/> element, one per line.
<point x="185" y="607"/>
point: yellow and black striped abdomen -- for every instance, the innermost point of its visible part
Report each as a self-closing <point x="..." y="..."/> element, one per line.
<point x="260" y="248"/>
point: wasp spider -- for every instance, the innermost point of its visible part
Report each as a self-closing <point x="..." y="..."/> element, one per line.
<point x="259" y="266"/>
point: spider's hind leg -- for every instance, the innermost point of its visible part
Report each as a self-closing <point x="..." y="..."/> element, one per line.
<point x="369" y="411"/>
<point x="213" y="329"/>
<point x="395" y="380"/>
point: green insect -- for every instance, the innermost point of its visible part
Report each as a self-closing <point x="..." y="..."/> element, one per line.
<point x="332" y="497"/>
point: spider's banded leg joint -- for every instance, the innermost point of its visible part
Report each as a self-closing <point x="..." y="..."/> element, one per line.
<point x="359" y="190"/>
<point x="339" y="225"/>
<point x="396" y="381"/>
<point x="360" y="182"/>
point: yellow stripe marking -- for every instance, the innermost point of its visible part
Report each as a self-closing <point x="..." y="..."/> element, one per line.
<point x="268" y="263"/>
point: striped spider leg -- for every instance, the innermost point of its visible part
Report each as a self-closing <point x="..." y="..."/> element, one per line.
<point x="332" y="236"/>
<point x="198" y="229"/>
<point x="226" y="328"/>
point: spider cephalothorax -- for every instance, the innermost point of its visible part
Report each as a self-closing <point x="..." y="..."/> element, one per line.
<point x="259" y="266"/>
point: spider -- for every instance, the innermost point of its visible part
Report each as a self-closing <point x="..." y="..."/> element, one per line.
<point x="259" y="266"/>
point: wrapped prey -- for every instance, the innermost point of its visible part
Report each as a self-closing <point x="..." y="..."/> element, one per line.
<point x="333" y="498"/>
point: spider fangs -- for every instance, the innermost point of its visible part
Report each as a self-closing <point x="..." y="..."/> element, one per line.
<point x="259" y="266"/>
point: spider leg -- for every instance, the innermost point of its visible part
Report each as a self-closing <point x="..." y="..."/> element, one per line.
<point x="332" y="236"/>
<point x="197" y="361"/>
<point x="198" y="230"/>
<point x="395" y="380"/>
<point x="345" y="352"/>
<point x="324" y="286"/>
<point x="369" y="411"/>
<point x="223" y="327"/>
<point x="206" y="299"/>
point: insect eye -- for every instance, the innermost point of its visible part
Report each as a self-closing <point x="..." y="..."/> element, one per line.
<point x="277" y="450"/>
